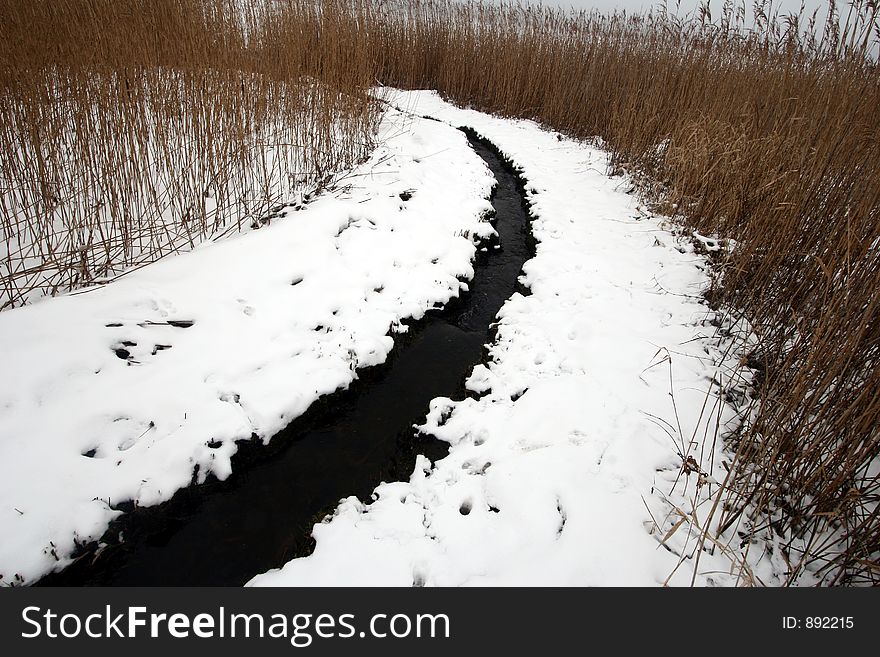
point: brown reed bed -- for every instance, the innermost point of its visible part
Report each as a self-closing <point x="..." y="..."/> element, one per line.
<point x="766" y="134"/>
<point x="131" y="127"/>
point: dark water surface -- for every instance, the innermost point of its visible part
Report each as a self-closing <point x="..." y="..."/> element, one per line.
<point x="224" y="533"/>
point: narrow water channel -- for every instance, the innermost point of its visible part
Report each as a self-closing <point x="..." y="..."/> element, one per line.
<point x="224" y="533"/>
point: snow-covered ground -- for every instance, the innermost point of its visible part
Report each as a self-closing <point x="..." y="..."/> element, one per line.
<point x="131" y="390"/>
<point x="568" y="465"/>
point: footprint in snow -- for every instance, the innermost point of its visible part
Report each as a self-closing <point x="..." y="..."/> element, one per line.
<point x="245" y="308"/>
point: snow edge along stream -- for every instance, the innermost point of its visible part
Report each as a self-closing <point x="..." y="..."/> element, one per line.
<point x="567" y="464"/>
<point x="121" y="393"/>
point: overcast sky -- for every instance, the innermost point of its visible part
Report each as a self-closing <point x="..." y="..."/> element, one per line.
<point x="782" y="7"/>
<point x="685" y="6"/>
<point x="785" y="6"/>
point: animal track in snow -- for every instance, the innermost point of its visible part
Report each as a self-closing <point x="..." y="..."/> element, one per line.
<point x="134" y="352"/>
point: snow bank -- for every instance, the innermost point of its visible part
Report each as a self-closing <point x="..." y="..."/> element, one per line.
<point x="131" y="390"/>
<point x="568" y="465"/>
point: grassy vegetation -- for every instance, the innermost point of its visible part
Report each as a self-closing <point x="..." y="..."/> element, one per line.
<point x="120" y="116"/>
<point x="765" y="134"/>
<point x="134" y="128"/>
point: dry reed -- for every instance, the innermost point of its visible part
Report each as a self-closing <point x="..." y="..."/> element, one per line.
<point x="764" y="134"/>
<point x="135" y="128"/>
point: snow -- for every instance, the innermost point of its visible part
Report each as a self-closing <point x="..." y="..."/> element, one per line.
<point x="131" y="390"/>
<point x="566" y="465"/>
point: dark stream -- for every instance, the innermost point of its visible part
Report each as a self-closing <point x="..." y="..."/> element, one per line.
<point x="224" y="533"/>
